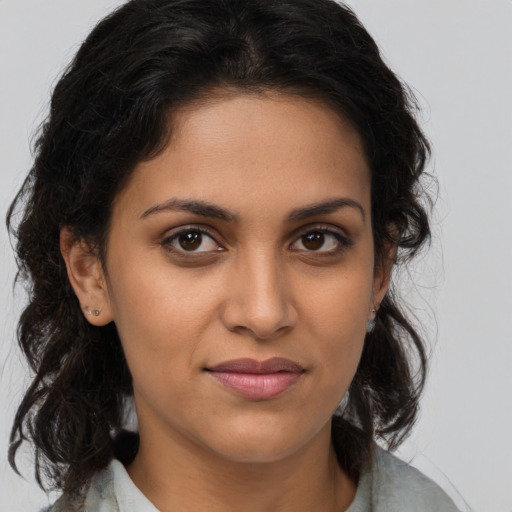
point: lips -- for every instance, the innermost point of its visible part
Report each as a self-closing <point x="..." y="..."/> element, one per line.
<point x="257" y="380"/>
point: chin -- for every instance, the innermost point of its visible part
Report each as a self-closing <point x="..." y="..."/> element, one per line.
<point x="262" y="452"/>
<point x="265" y="445"/>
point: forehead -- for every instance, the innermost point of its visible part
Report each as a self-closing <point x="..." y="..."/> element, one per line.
<point x="249" y="150"/>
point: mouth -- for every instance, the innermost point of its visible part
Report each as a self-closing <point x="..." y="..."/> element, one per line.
<point x="257" y="380"/>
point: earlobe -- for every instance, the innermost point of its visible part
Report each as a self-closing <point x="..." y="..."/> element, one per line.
<point x="382" y="275"/>
<point x="86" y="276"/>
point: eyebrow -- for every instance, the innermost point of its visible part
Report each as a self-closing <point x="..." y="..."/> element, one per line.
<point x="324" y="208"/>
<point x="201" y="208"/>
<point x="205" y="209"/>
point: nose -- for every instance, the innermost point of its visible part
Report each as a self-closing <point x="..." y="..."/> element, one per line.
<point x="259" y="304"/>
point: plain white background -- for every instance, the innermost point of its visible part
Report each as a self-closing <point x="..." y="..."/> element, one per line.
<point x="457" y="56"/>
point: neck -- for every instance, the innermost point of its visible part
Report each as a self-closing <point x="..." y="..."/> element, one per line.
<point x="179" y="475"/>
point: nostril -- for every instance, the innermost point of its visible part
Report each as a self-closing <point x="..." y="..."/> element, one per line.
<point x="260" y="333"/>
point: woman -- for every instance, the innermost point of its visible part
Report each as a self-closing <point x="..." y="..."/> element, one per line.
<point x="209" y="229"/>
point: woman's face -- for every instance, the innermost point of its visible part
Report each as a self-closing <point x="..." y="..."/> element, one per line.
<point x="241" y="276"/>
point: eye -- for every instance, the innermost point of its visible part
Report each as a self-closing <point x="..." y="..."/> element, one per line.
<point x="192" y="240"/>
<point x="322" y="241"/>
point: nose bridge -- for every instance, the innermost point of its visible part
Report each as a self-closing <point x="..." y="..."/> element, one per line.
<point x="263" y="289"/>
<point x="260" y="301"/>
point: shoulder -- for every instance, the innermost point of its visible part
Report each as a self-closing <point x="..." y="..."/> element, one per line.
<point x="396" y="486"/>
<point x="110" y="490"/>
<point x="97" y="496"/>
<point x="66" y="504"/>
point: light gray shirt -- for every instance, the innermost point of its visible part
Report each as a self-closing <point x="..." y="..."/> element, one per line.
<point x="390" y="486"/>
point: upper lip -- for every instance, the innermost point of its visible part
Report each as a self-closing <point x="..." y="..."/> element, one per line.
<point x="246" y="365"/>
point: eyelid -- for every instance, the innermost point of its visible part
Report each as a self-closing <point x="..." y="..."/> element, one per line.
<point x="343" y="238"/>
<point x="171" y="235"/>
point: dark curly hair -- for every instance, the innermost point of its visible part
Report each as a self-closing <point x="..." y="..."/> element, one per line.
<point x="111" y="110"/>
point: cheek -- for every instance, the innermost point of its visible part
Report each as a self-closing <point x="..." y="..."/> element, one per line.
<point x="340" y="303"/>
<point x="159" y="315"/>
<point x="336" y="316"/>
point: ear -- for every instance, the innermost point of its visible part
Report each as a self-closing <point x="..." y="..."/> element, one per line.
<point x="382" y="274"/>
<point x="86" y="276"/>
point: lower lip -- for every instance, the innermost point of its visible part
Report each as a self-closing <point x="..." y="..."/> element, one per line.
<point x="257" y="386"/>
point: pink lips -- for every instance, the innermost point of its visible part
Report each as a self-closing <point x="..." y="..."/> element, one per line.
<point x="257" y="380"/>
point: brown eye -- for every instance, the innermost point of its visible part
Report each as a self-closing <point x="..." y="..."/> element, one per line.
<point x="313" y="241"/>
<point x="190" y="241"/>
<point x="322" y="241"/>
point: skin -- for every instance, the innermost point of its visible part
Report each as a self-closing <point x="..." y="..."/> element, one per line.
<point x="255" y="287"/>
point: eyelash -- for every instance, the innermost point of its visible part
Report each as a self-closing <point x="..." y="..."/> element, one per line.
<point x="343" y="242"/>
<point x="168" y="241"/>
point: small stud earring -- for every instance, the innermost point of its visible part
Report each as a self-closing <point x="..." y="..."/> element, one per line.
<point x="94" y="312"/>
<point x="371" y="323"/>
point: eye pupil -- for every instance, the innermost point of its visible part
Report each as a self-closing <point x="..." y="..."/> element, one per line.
<point x="313" y="241"/>
<point x="190" y="241"/>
